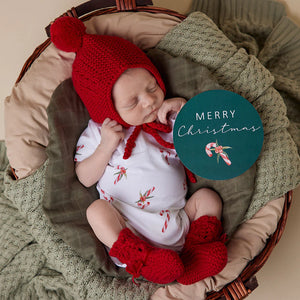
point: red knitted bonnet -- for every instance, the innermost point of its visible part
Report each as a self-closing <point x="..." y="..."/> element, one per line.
<point x="100" y="60"/>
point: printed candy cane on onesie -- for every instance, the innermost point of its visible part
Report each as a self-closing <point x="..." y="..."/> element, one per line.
<point x="77" y="151"/>
<point x="167" y="219"/>
<point x="106" y="197"/>
<point x="165" y="154"/>
<point x="219" y="150"/>
<point x="142" y="202"/>
<point x="121" y="172"/>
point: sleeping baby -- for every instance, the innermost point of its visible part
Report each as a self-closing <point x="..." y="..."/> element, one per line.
<point x="142" y="215"/>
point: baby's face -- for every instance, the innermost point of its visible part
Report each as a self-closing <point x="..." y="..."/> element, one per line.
<point x="137" y="96"/>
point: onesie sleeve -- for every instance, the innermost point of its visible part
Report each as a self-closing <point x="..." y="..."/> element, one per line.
<point x="88" y="141"/>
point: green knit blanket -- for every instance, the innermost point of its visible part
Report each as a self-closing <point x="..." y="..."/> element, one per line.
<point x="36" y="263"/>
<point x="271" y="89"/>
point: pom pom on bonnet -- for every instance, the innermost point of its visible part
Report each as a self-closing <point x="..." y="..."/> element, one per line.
<point x="100" y="60"/>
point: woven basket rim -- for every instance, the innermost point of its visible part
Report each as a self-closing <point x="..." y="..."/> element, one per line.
<point x="257" y="263"/>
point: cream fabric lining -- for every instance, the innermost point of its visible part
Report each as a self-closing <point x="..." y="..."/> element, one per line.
<point x="27" y="137"/>
<point x="247" y="242"/>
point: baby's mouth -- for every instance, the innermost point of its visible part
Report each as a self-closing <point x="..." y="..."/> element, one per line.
<point x="154" y="111"/>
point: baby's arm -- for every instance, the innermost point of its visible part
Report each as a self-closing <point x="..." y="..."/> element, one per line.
<point x="172" y="105"/>
<point x="90" y="170"/>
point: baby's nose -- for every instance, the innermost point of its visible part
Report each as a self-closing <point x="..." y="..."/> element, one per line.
<point x="148" y="100"/>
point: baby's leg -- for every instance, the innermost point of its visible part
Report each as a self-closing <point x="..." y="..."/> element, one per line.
<point x="105" y="221"/>
<point x="204" y="253"/>
<point x="140" y="257"/>
<point x="204" y="202"/>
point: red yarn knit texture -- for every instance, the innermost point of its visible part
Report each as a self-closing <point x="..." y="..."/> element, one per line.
<point x="154" y="264"/>
<point x="100" y="60"/>
<point x="204" y="253"/>
<point x="67" y="34"/>
<point x="203" y="261"/>
<point x="150" y="128"/>
<point x="131" y="142"/>
<point x="205" y="229"/>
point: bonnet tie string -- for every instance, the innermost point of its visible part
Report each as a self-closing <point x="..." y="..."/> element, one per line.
<point x="152" y="129"/>
<point x="131" y="142"/>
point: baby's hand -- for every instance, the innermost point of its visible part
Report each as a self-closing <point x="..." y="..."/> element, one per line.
<point x="169" y="106"/>
<point x="112" y="134"/>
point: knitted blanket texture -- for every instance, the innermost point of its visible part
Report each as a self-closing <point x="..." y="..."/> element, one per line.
<point x="251" y="54"/>
<point x="36" y="263"/>
<point x="200" y="40"/>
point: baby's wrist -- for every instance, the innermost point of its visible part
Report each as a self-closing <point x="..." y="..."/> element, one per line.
<point x="105" y="149"/>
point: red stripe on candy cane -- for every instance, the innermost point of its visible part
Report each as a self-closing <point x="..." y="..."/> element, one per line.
<point x="167" y="219"/>
<point x="207" y="148"/>
<point x="219" y="151"/>
<point x="117" y="179"/>
<point x="226" y="159"/>
<point x="149" y="192"/>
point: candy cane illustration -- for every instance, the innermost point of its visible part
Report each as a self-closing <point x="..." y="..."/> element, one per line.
<point x="165" y="213"/>
<point x="106" y="197"/>
<point x="165" y="154"/>
<point x="120" y="174"/>
<point x="219" y="150"/>
<point x="77" y="149"/>
<point x="207" y="148"/>
<point x="225" y="157"/>
<point x="142" y="203"/>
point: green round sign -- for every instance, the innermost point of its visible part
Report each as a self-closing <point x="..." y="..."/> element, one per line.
<point x="218" y="135"/>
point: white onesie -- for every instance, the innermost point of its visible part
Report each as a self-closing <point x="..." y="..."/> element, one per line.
<point x="148" y="188"/>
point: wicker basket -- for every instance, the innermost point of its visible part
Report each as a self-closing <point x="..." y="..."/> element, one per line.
<point x="246" y="282"/>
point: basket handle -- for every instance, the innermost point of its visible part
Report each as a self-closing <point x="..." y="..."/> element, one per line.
<point x="122" y="5"/>
<point x="89" y="6"/>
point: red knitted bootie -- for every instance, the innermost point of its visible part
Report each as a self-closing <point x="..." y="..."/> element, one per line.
<point x="154" y="264"/>
<point x="204" y="230"/>
<point x="204" y="253"/>
<point x="203" y="261"/>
